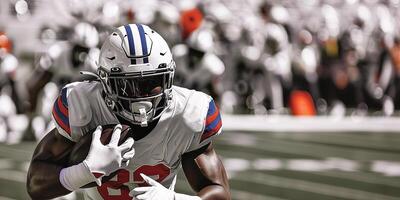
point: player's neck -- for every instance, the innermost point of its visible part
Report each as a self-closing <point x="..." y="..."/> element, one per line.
<point x="138" y="131"/>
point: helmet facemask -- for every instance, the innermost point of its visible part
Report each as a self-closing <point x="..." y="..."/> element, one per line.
<point x="138" y="97"/>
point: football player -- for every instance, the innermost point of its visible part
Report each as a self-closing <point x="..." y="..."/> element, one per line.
<point x="64" y="59"/>
<point x="172" y="127"/>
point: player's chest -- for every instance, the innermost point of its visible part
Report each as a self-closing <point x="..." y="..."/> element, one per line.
<point x="155" y="158"/>
<point x="158" y="151"/>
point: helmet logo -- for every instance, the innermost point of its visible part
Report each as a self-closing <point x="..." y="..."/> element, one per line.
<point x="111" y="58"/>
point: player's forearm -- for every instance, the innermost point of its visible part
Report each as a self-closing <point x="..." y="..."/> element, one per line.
<point x="214" y="192"/>
<point x="43" y="181"/>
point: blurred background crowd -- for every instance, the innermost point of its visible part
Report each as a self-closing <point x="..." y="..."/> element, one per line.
<point x="263" y="61"/>
<point x="263" y="57"/>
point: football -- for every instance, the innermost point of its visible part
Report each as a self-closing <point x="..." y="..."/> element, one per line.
<point x="81" y="148"/>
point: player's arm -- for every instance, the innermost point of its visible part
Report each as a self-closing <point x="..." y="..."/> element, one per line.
<point x="49" y="158"/>
<point x="49" y="176"/>
<point x="206" y="173"/>
<point x="202" y="166"/>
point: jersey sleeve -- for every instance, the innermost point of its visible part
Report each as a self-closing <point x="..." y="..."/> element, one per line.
<point x="213" y="123"/>
<point x="60" y="114"/>
<point x="211" y="126"/>
<point x="72" y="112"/>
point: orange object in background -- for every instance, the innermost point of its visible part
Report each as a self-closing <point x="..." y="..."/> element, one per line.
<point x="301" y="104"/>
<point x="5" y="43"/>
<point x="395" y="56"/>
<point x="190" y="21"/>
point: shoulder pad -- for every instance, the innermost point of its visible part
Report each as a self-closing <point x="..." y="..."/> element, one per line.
<point x="81" y="114"/>
<point x="195" y="110"/>
<point x="213" y="122"/>
<point x="208" y="122"/>
<point x="72" y="109"/>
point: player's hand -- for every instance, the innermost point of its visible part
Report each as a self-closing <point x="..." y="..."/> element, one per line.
<point x="102" y="160"/>
<point x="155" y="191"/>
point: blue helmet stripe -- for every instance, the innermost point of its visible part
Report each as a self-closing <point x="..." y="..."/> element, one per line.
<point x="131" y="42"/>
<point x="143" y="41"/>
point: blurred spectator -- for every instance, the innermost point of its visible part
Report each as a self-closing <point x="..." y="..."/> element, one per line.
<point x="258" y="57"/>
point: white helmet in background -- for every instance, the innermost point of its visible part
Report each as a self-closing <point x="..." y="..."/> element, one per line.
<point x="85" y="35"/>
<point x="136" y="69"/>
<point x="201" y="40"/>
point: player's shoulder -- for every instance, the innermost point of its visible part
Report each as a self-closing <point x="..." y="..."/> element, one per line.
<point x="72" y="109"/>
<point x="191" y="106"/>
<point x="185" y="95"/>
<point x="80" y="95"/>
<point x="199" y="115"/>
<point x="83" y="85"/>
<point x="188" y="100"/>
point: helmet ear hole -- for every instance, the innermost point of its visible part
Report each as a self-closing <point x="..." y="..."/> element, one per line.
<point x="162" y="65"/>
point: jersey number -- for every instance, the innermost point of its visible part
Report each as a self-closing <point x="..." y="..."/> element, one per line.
<point x="158" y="172"/>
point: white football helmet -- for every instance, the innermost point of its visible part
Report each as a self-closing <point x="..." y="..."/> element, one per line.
<point x="136" y="69"/>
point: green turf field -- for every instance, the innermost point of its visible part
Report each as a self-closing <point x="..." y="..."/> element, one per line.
<point x="276" y="166"/>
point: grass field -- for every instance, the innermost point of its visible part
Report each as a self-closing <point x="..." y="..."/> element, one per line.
<point x="276" y="166"/>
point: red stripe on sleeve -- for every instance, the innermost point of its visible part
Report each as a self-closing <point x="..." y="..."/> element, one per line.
<point x="212" y="117"/>
<point x="61" y="123"/>
<point x="211" y="132"/>
<point x="61" y="106"/>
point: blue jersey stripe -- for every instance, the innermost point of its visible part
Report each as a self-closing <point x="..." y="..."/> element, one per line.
<point x="131" y="42"/>
<point x="143" y="42"/>
<point x="64" y="97"/>
<point x="60" y="114"/>
<point x="211" y="108"/>
<point x="213" y="124"/>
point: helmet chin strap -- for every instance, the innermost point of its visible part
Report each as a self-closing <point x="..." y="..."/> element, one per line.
<point x="140" y="110"/>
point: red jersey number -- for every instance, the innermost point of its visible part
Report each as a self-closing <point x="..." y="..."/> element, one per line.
<point x="158" y="172"/>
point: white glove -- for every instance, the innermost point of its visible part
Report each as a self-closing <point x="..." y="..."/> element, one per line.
<point x="156" y="191"/>
<point x="102" y="160"/>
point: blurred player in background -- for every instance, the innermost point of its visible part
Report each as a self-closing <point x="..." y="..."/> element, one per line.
<point x="8" y="66"/>
<point x="64" y="59"/>
<point x="59" y="66"/>
<point x="200" y="67"/>
<point x="13" y="122"/>
<point x="172" y="126"/>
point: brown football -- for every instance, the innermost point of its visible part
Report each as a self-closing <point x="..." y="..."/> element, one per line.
<point x="82" y="147"/>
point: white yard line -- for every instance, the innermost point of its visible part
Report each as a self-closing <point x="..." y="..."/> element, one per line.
<point x="238" y="194"/>
<point x="339" y="168"/>
<point x="12" y="175"/>
<point x="5" y="198"/>
<point x="317" y="188"/>
<point x="271" y="123"/>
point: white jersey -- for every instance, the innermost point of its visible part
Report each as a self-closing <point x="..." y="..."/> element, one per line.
<point x="190" y="122"/>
